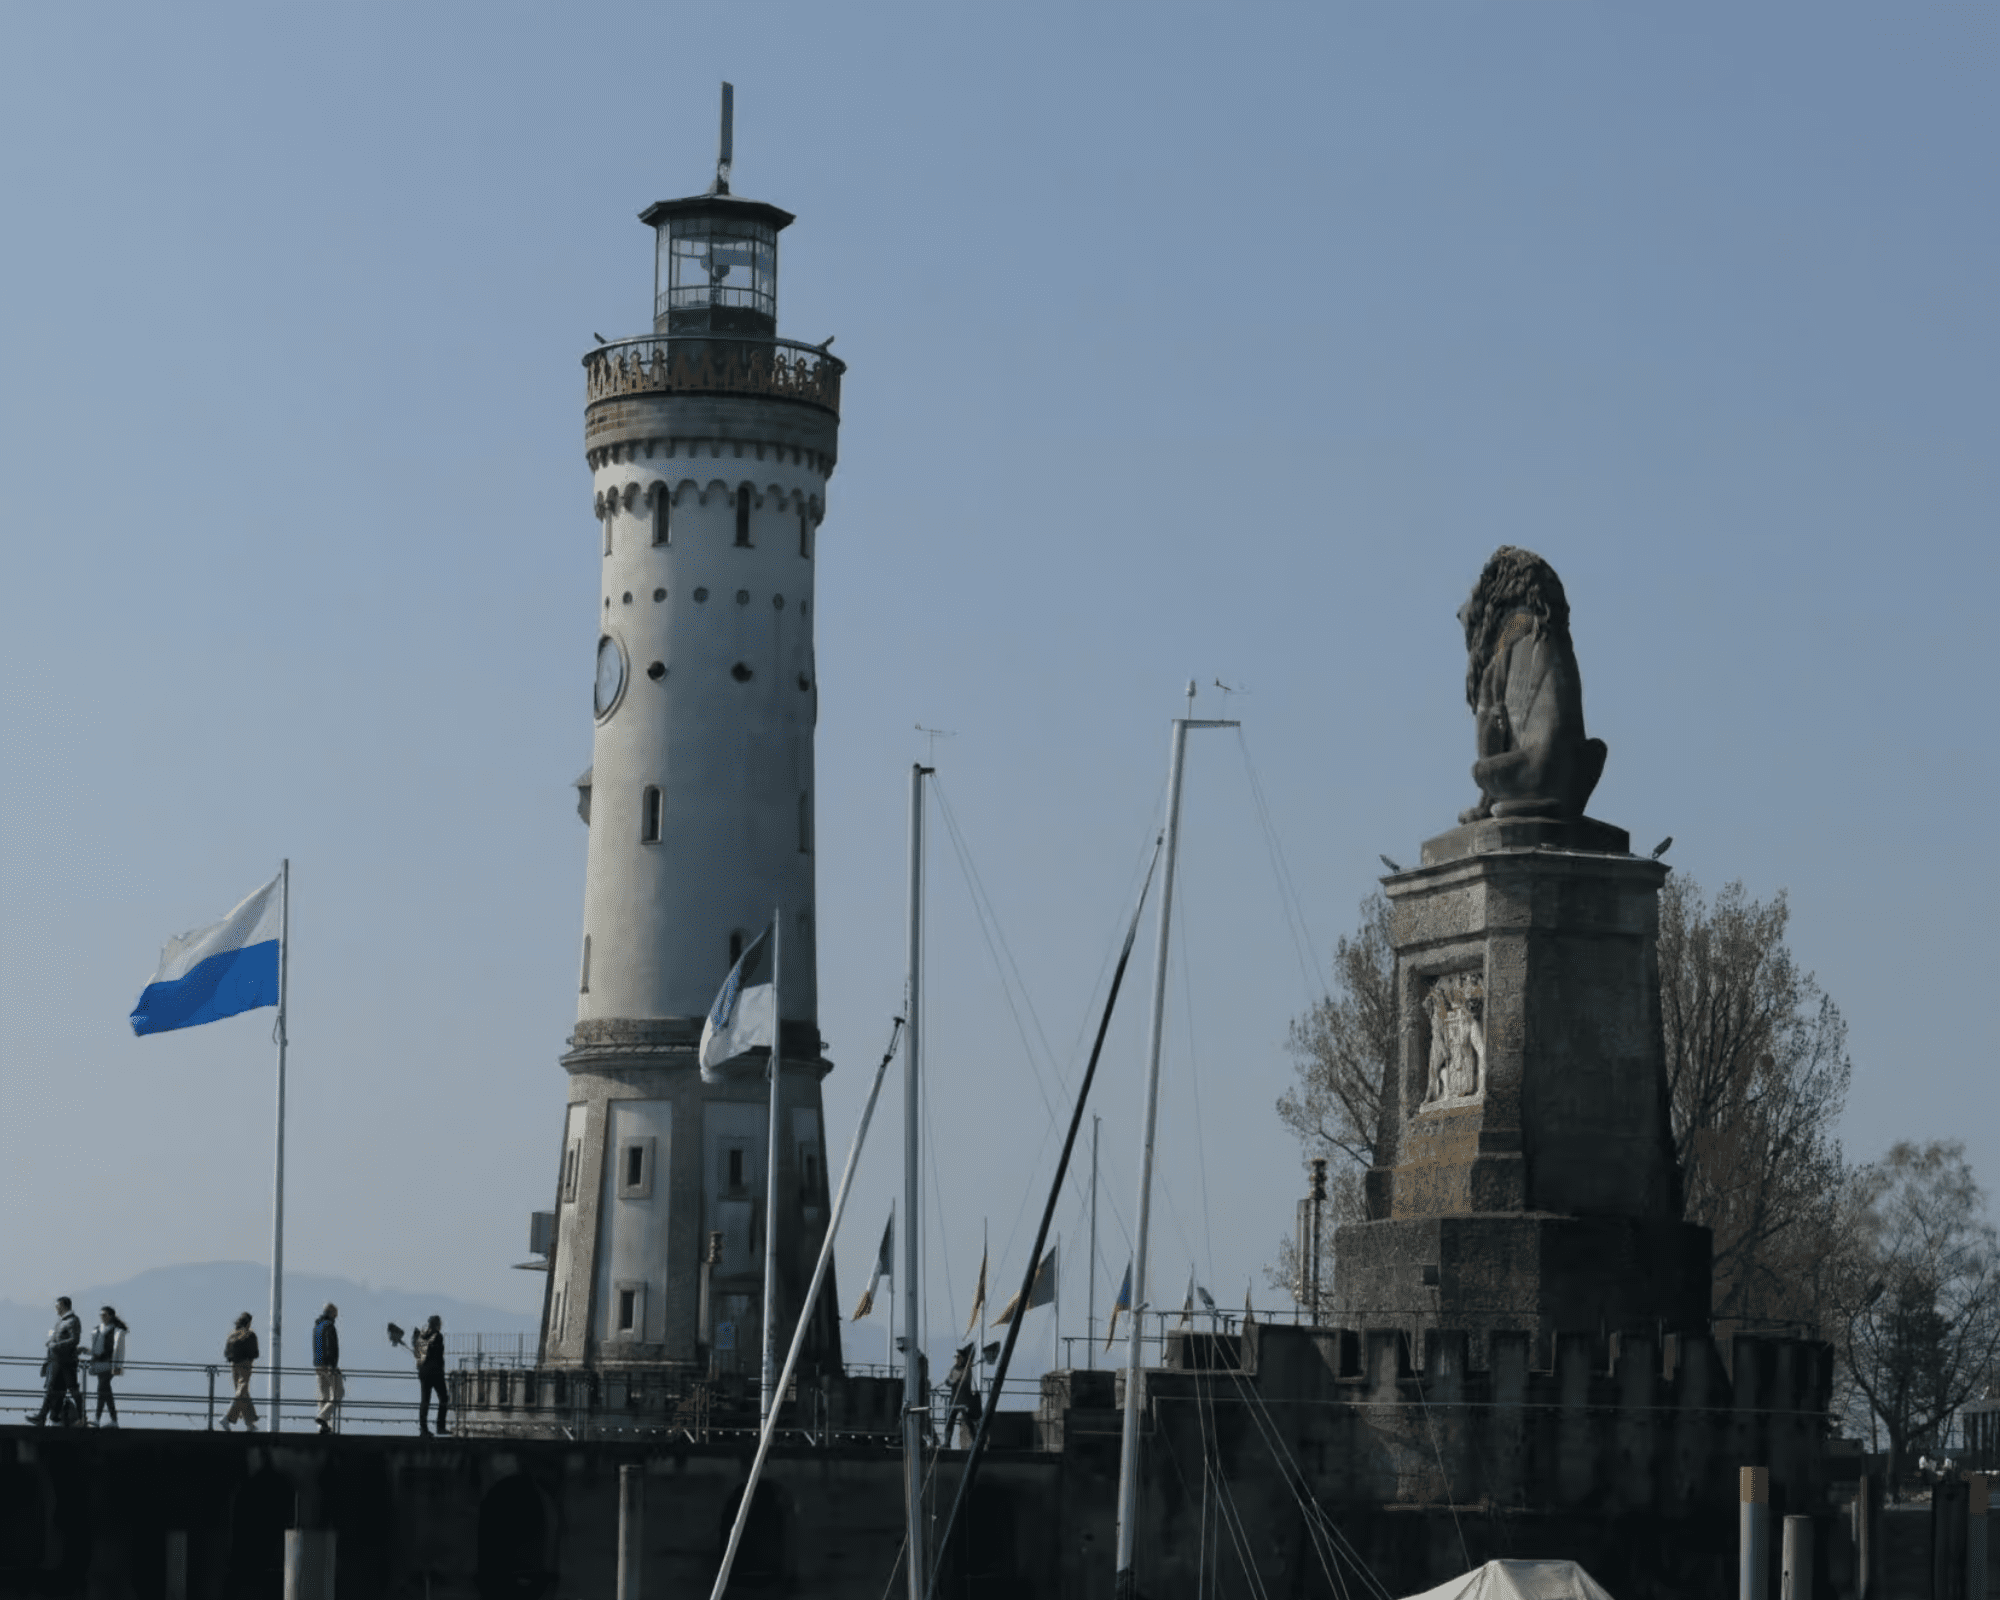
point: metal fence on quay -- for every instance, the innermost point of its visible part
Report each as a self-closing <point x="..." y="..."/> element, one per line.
<point x="196" y="1395"/>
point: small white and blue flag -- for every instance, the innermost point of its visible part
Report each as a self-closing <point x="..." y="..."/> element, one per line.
<point x="217" y="971"/>
<point x="744" y="1015"/>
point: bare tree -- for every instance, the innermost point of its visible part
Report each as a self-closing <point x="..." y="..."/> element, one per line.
<point x="1342" y="1051"/>
<point x="1757" y="1072"/>
<point x="1921" y="1328"/>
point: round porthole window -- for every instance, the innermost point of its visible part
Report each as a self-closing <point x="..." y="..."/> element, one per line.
<point x="777" y="602"/>
<point x="657" y="671"/>
<point x="699" y="596"/>
<point x="742" y="597"/>
<point x="659" y="595"/>
<point x="740" y="673"/>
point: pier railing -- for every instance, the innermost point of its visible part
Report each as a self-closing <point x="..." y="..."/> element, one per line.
<point x="778" y="369"/>
<point x="196" y="1395"/>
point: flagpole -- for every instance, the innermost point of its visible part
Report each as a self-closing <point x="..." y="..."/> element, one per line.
<point x="1058" y="1300"/>
<point x="278" y="1176"/>
<point x="768" y="1397"/>
<point x="1090" y="1272"/>
<point x="913" y="1409"/>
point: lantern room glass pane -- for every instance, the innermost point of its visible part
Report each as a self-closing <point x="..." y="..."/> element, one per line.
<point x="716" y="261"/>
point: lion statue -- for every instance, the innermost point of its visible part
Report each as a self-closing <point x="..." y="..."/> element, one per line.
<point x="1526" y="694"/>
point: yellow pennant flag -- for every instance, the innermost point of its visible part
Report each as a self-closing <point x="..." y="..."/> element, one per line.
<point x="978" y="1298"/>
<point x="1043" y="1291"/>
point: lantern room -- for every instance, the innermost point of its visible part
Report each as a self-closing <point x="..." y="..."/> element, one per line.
<point x="716" y="265"/>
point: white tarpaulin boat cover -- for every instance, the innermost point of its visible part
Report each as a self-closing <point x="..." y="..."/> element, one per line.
<point x="1521" y="1580"/>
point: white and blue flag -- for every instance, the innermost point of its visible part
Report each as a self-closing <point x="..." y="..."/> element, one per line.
<point x="217" y="971"/>
<point x="745" y="1013"/>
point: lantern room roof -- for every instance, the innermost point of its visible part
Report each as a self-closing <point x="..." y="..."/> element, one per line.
<point x="722" y="204"/>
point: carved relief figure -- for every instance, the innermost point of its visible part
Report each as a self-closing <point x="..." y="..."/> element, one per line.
<point x="1456" y="1007"/>
<point x="1526" y="694"/>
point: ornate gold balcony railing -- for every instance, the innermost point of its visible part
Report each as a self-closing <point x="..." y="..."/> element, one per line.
<point x="781" y="369"/>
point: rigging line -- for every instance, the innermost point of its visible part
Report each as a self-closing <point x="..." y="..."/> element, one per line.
<point x="1288" y="891"/>
<point x="1424" y="1399"/>
<point x="1041" y="1236"/>
<point x="938" y="1232"/>
<point x="988" y="921"/>
<point x="977" y="886"/>
<point x="1239" y="1536"/>
<point x="991" y="929"/>
<point x="1295" y="1480"/>
<point x="1288" y="895"/>
<point x="1289" y="1470"/>
<point x="1194" y="1068"/>
<point x="1158" y="814"/>
<point x="988" y="928"/>
<point x="1205" y="1409"/>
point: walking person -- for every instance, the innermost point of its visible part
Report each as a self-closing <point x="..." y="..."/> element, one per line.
<point x="59" y="1367"/>
<point x="326" y="1365"/>
<point x="241" y="1352"/>
<point x="428" y="1347"/>
<point x="107" y="1360"/>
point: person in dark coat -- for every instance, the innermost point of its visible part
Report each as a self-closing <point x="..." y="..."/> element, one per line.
<point x="326" y="1365"/>
<point x="64" y="1343"/>
<point x="107" y="1359"/>
<point x="427" y="1345"/>
<point x="241" y="1352"/>
<point x="962" y="1406"/>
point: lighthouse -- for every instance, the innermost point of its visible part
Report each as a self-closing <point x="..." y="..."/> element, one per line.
<point x="710" y="441"/>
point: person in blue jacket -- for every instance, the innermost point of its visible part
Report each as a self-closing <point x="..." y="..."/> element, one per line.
<point x="326" y="1365"/>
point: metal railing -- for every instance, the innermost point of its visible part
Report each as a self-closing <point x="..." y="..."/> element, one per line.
<point x="477" y="1350"/>
<point x="196" y="1395"/>
<point x="780" y="369"/>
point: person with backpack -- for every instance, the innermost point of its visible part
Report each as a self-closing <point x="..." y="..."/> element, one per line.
<point x="326" y="1365"/>
<point x="59" y="1368"/>
<point x="107" y="1360"/>
<point x="427" y="1345"/>
<point x="241" y="1352"/>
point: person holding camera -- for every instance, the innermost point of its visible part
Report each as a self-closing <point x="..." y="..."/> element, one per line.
<point x="240" y="1351"/>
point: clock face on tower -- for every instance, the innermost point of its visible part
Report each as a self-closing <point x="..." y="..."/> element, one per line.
<point x="610" y="676"/>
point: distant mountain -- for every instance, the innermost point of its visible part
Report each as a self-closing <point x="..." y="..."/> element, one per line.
<point x="184" y="1313"/>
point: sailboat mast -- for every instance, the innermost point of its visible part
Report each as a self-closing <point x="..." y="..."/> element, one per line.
<point x="767" y="1385"/>
<point x="1123" y="1586"/>
<point x="913" y="1436"/>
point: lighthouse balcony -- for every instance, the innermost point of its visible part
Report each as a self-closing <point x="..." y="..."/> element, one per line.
<point x="775" y="369"/>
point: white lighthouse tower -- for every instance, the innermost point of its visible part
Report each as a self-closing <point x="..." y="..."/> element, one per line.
<point x="710" y="442"/>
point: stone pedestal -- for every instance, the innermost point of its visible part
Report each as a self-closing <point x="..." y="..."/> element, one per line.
<point x="1525" y="1175"/>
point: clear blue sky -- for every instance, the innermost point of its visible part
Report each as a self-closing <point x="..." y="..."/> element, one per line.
<point x="1185" y="342"/>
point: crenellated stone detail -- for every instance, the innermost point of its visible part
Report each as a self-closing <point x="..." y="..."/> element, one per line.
<point x="772" y="496"/>
<point x="671" y="447"/>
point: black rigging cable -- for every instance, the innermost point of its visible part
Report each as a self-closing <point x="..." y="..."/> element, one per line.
<point x="1041" y="1238"/>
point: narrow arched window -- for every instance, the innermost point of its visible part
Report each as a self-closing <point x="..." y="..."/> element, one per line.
<point x="583" y="986"/>
<point x="735" y="948"/>
<point x="663" y="507"/>
<point x="805" y="533"/>
<point x="649" y="815"/>
<point x="743" y="513"/>
<point x="608" y="515"/>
